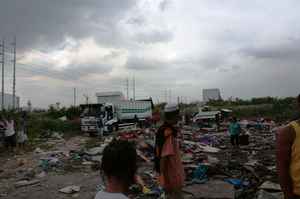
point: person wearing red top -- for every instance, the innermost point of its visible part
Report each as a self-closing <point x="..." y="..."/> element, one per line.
<point x="167" y="155"/>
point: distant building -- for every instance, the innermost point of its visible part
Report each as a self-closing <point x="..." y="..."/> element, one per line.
<point x="8" y="101"/>
<point x="211" y="94"/>
<point x="109" y="97"/>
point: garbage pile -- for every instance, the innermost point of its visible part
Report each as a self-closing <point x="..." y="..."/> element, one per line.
<point x="215" y="169"/>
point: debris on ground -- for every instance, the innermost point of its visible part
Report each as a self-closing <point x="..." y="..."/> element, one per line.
<point x="70" y="189"/>
<point x="214" y="169"/>
<point x="23" y="183"/>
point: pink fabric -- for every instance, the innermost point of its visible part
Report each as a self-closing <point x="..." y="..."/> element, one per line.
<point x="168" y="147"/>
<point x="172" y="175"/>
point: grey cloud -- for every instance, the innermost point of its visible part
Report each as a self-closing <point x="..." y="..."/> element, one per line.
<point x="138" y="20"/>
<point x="289" y="49"/>
<point x="208" y="62"/>
<point x="72" y="73"/>
<point x="140" y="64"/>
<point x="229" y="68"/>
<point x="39" y="23"/>
<point x="213" y="42"/>
<point x="163" y="5"/>
<point x="155" y="36"/>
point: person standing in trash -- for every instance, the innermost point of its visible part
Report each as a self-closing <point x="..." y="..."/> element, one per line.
<point x="100" y="126"/>
<point x="118" y="166"/>
<point x="288" y="158"/>
<point x="234" y="131"/>
<point x="10" y="134"/>
<point x="218" y="121"/>
<point x="22" y="133"/>
<point x="167" y="155"/>
<point x="2" y="128"/>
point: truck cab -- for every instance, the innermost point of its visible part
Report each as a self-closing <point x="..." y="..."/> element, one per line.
<point x="111" y="116"/>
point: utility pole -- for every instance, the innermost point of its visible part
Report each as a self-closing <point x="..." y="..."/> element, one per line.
<point x="166" y="96"/>
<point x="74" y="97"/>
<point x="127" y="88"/>
<point x="14" y="72"/>
<point x="86" y="99"/>
<point x="2" y="94"/>
<point x="133" y="88"/>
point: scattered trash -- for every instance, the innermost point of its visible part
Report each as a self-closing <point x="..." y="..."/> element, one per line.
<point x="237" y="182"/>
<point x="96" y="158"/>
<point x="214" y="169"/>
<point x="38" y="150"/>
<point x="70" y="189"/>
<point x="270" y="186"/>
<point x="48" y="163"/>
<point x="261" y="194"/>
<point x="215" y="189"/>
<point x="41" y="175"/>
<point x="199" y="175"/>
<point x="95" y="151"/>
<point x="63" y="118"/>
<point x="23" y="183"/>
<point x="208" y="149"/>
<point x="87" y="163"/>
<point x="56" y="135"/>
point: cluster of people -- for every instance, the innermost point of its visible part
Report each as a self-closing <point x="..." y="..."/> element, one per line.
<point x="14" y="134"/>
<point x="168" y="165"/>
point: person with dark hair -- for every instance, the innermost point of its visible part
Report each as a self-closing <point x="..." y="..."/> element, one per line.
<point x="234" y="131"/>
<point x="119" y="166"/>
<point x="10" y="133"/>
<point x="288" y="158"/>
<point x="167" y="155"/>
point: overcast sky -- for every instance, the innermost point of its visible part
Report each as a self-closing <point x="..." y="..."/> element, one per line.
<point x="245" y="48"/>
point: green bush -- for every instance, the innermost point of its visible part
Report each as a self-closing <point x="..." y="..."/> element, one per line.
<point x="43" y="126"/>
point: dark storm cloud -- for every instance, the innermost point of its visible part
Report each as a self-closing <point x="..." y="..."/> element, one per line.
<point x="201" y="44"/>
<point x="46" y="23"/>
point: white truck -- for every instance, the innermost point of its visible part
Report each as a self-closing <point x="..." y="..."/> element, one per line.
<point x="113" y="116"/>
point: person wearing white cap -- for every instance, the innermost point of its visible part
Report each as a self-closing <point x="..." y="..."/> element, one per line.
<point x="167" y="154"/>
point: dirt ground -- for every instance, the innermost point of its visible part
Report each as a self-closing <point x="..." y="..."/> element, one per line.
<point x="14" y="167"/>
<point x="253" y="163"/>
